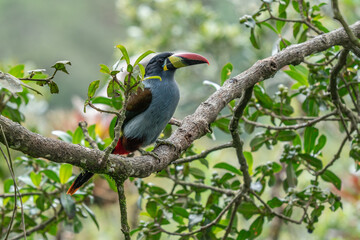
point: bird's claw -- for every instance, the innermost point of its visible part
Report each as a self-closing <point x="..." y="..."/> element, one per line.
<point x="164" y="142"/>
<point x="154" y="155"/>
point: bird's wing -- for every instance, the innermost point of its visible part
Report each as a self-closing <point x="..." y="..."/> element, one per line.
<point x="137" y="103"/>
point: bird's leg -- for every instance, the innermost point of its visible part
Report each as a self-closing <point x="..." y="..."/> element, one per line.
<point x="143" y="152"/>
<point x="164" y="142"/>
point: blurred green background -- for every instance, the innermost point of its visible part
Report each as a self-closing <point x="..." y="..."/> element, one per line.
<point x="39" y="33"/>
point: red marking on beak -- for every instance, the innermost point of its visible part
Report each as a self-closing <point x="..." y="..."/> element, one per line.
<point x="192" y="56"/>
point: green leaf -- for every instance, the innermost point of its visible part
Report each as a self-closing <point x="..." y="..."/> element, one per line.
<point x="68" y="204"/>
<point x="60" y="66"/>
<point x="275" y="202"/>
<point x="65" y="172"/>
<point x="227" y="166"/>
<point x="310" y="136"/>
<point x="222" y="124"/>
<point x="281" y="24"/>
<point x="111" y="127"/>
<point x="248" y="209"/>
<point x="93" y="87"/>
<point x="276" y="167"/>
<point x="35" y="178"/>
<point x="142" y="56"/>
<point x="111" y="182"/>
<point x="313" y="161"/>
<point x="286" y="135"/>
<point x="91" y="214"/>
<point x="142" y="70"/>
<point x="180" y="211"/>
<point x="297" y="75"/>
<point x="77" y="136"/>
<point x="104" y="69"/>
<point x="197" y="173"/>
<point x="262" y="97"/>
<point x="17" y="71"/>
<point x="77" y="225"/>
<point x="124" y="53"/>
<point x="249" y="160"/>
<point x="151" y="208"/>
<point x="53" y="87"/>
<point x="253" y="39"/>
<point x="296" y="29"/>
<point x="270" y="26"/>
<point x="257" y="142"/>
<point x="40" y="202"/>
<point x="51" y="175"/>
<point x="311" y="106"/>
<point x="225" y="72"/>
<point x="7" y="185"/>
<point x="91" y="130"/>
<point x="102" y="100"/>
<point x="331" y="177"/>
<point x="117" y="102"/>
<point x="113" y="88"/>
<point x="255" y="228"/>
<point x="291" y="179"/>
<point x="320" y="144"/>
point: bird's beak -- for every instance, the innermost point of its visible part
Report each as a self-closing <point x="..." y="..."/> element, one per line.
<point x="182" y="60"/>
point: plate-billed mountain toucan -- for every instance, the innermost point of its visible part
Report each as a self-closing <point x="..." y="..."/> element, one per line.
<point x="149" y="110"/>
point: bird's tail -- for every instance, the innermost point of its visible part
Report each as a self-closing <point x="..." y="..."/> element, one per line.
<point x="79" y="181"/>
<point x="85" y="176"/>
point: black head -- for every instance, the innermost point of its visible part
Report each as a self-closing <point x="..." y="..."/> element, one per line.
<point x="168" y="61"/>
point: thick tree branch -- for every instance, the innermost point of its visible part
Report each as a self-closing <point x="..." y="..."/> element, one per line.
<point x="193" y="126"/>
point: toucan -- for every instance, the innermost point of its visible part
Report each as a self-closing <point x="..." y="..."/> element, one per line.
<point x="150" y="108"/>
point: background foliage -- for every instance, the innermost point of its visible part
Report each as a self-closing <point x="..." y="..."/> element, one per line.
<point x="293" y="164"/>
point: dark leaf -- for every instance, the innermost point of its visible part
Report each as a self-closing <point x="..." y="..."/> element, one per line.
<point x="151" y="208"/>
<point x="313" y="161"/>
<point x="310" y="136"/>
<point x="227" y="166"/>
<point x="68" y="204"/>
<point x="329" y="176"/>
<point x="286" y="135"/>
<point x="60" y="66"/>
<point x="256" y="227"/>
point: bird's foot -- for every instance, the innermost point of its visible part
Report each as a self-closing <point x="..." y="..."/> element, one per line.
<point x="164" y="142"/>
<point x="154" y="155"/>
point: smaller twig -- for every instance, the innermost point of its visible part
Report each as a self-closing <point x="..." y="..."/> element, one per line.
<point x="123" y="212"/>
<point x="83" y="125"/>
<point x="232" y="217"/>
<point x="102" y="110"/>
<point x="278" y="214"/>
<point x="336" y="157"/>
<point x="233" y="127"/>
<point x="289" y="127"/>
<point x="204" y="186"/>
<point x="335" y="96"/>
<point x="47" y="80"/>
<point x="203" y="154"/>
<point x="38" y="227"/>
<point x="338" y="16"/>
<point x="212" y="223"/>
<point x="8" y="195"/>
<point x="324" y="63"/>
<point x="17" y="190"/>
